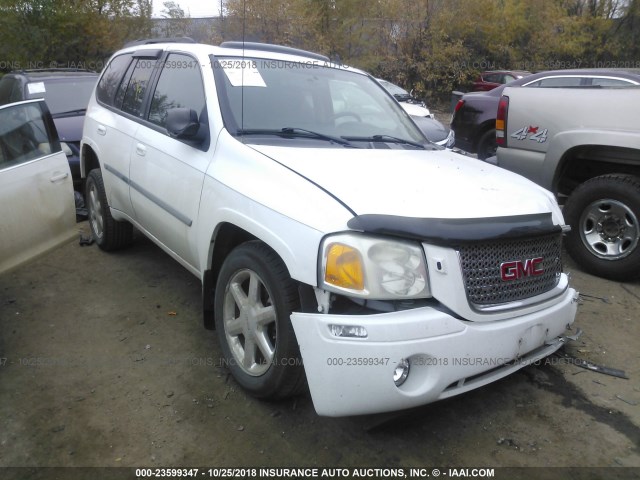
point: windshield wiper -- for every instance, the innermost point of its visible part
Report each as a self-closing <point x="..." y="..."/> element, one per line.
<point x="295" y="132"/>
<point x="386" y="139"/>
<point x="402" y="97"/>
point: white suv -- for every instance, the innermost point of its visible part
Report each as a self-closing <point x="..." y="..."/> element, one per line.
<point x="324" y="227"/>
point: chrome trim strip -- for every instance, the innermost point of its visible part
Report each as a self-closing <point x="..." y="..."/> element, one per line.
<point x="161" y="203"/>
<point x="559" y="289"/>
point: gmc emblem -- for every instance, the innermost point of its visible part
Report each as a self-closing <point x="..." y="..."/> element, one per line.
<point x="521" y="268"/>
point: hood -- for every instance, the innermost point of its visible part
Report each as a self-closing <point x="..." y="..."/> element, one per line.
<point x="432" y="128"/>
<point x="415" y="110"/>
<point x="69" y="128"/>
<point x="416" y="183"/>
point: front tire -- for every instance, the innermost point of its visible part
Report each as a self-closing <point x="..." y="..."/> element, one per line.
<point x="254" y="299"/>
<point x="604" y="214"/>
<point x="108" y="233"/>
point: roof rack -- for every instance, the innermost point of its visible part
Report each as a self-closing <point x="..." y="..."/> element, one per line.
<point x="268" y="47"/>
<point x="151" y="41"/>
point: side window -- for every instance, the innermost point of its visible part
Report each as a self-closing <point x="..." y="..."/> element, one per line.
<point x="179" y="86"/>
<point x="508" y="78"/>
<point x="134" y="94"/>
<point x="557" y="82"/>
<point x="111" y="79"/>
<point x="17" y="93"/>
<point x="6" y="85"/>
<point x="23" y="134"/>
<point x="610" y="82"/>
<point x="492" y="78"/>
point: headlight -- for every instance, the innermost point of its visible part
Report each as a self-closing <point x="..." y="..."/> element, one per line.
<point x="451" y="139"/>
<point x="371" y="267"/>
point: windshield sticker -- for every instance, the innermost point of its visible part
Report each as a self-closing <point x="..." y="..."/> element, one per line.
<point x="243" y="73"/>
<point x="37" y="87"/>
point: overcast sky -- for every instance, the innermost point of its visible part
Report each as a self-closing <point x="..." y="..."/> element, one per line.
<point x="192" y="8"/>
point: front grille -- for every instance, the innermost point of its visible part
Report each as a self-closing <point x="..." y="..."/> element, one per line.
<point x="481" y="262"/>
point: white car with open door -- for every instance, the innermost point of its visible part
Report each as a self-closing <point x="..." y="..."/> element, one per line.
<point x="37" y="205"/>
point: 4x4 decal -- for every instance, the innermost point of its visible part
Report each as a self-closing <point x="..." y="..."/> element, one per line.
<point x="537" y="135"/>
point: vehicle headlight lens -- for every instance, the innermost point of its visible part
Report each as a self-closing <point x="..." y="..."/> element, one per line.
<point x="375" y="268"/>
<point x="451" y="139"/>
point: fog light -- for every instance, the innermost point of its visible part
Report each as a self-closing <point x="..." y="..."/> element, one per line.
<point x="401" y="372"/>
<point x="348" y="331"/>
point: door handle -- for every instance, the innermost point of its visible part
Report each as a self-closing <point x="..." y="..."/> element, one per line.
<point x="57" y="176"/>
<point x="141" y="150"/>
<point x="102" y="130"/>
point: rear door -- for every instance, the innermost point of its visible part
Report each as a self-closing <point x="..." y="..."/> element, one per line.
<point x="37" y="206"/>
<point x="121" y="91"/>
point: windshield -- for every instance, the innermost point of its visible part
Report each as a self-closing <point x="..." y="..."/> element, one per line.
<point x="63" y="94"/>
<point x="392" y="88"/>
<point x="310" y="100"/>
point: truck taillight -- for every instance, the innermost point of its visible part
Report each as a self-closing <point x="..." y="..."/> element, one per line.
<point x="501" y="122"/>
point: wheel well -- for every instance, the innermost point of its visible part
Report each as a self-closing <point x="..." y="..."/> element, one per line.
<point x="581" y="163"/>
<point x="89" y="159"/>
<point x="484" y="128"/>
<point x="226" y="238"/>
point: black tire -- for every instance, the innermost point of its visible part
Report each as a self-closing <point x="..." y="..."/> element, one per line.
<point x="273" y="371"/>
<point x="108" y="233"/>
<point x="605" y="234"/>
<point x="487" y="145"/>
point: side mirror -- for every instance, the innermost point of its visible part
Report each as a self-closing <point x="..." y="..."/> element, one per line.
<point x="182" y="123"/>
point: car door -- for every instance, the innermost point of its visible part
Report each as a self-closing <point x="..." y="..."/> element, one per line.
<point x="121" y="89"/>
<point x="167" y="173"/>
<point x="37" y="206"/>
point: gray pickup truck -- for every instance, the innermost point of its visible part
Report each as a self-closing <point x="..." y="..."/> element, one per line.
<point x="584" y="146"/>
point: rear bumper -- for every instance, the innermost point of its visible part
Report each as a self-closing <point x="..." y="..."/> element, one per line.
<point x="462" y="143"/>
<point x="447" y="356"/>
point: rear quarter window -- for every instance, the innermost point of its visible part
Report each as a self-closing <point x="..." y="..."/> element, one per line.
<point x="111" y="79"/>
<point x="611" y="82"/>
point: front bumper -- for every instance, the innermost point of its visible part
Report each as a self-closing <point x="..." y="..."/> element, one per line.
<point x="448" y="356"/>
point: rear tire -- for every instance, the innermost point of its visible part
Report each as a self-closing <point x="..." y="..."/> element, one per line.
<point x="604" y="214"/>
<point x="487" y="146"/>
<point x="108" y="233"/>
<point x="254" y="299"/>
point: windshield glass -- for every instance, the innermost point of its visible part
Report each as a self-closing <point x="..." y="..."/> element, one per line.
<point x="63" y="94"/>
<point x="392" y="88"/>
<point x="262" y="96"/>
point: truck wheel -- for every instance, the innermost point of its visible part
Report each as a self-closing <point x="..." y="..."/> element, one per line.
<point x="603" y="213"/>
<point x="487" y="146"/>
<point x="108" y="233"/>
<point x="254" y="299"/>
